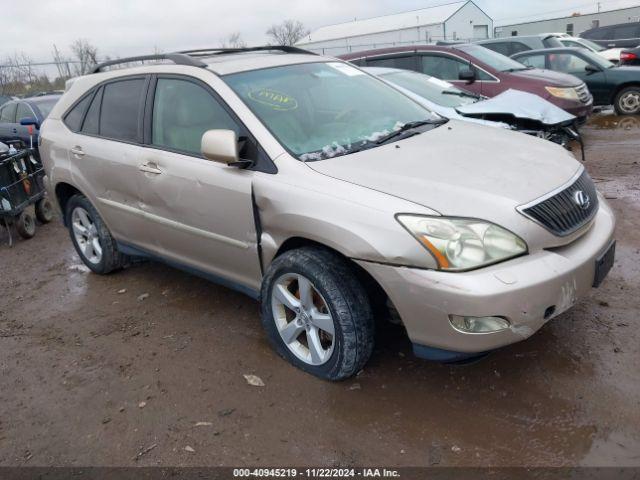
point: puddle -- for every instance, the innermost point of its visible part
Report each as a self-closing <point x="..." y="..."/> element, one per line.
<point x="610" y="121"/>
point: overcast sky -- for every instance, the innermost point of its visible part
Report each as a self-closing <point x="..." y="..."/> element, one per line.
<point x="129" y="27"/>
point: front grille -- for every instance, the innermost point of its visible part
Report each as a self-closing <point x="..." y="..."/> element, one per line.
<point x="583" y="93"/>
<point x="568" y="211"/>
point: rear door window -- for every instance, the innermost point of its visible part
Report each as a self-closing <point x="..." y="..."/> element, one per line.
<point x="122" y="103"/>
<point x="8" y="113"/>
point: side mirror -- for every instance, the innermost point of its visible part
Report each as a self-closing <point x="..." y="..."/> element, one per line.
<point x="467" y="75"/>
<point x="25" y="122"/>
<point x="591" y="69"/>
<point x="220" y="146"/>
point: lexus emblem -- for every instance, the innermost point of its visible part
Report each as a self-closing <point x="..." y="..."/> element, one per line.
<point x="582" y="200"/>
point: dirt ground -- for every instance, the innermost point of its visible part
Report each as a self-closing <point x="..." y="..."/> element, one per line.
<point x="145" y="367"/>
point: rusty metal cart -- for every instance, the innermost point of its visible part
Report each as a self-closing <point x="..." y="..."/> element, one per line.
<point x="21" y="187"/>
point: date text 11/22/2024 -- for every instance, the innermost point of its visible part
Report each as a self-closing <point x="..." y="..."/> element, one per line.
<point x="315" y="473"/>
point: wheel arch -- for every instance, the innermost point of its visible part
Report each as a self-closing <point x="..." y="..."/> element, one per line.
<point x="377" y="295"/>
<point x="63" y="192"/>
<point x="621" y="87"/>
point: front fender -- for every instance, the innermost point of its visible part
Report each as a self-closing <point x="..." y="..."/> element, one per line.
<point x="356" y="221"/>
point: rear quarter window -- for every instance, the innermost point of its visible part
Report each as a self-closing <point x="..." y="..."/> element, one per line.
<point x="91" y="123"/>
<point x="73" y="119"/>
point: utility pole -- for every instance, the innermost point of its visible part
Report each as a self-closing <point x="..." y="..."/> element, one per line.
<point x="599" y="7"/>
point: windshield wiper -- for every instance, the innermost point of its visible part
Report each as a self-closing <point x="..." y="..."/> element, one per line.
<point x="407" y="127"/>
<point x="461" y="94"/>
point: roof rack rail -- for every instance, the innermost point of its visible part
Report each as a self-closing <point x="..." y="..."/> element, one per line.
<point x="205" y="52"/>
<point x="177" y="58"/>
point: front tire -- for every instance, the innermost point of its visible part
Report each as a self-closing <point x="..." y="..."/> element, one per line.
<point x="91" y="238"/>
<point x="317" y="314"/>
<point x="627" y="101"/>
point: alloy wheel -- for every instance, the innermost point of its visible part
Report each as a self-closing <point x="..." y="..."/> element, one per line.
<point x="86" y="235"/>
<point x="303" y="319"/>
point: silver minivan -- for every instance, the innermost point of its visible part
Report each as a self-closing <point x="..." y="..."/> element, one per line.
<point x="328" y="195"/>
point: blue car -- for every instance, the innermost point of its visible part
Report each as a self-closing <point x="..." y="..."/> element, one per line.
<point x="21" y="119"/>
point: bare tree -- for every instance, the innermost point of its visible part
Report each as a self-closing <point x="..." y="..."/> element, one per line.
<point x="233" y="41"/>
<point x="18" y="76"/>
<point x="86" y="54"/>
<point x="61" y="63"/>
<point x="288" y="32"/>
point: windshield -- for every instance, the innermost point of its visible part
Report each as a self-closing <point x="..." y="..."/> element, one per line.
<point x="324" y="110"/>
<point x="495" y="60"/>
<point x="45" y="106"/>
<point x="434" y="89"/>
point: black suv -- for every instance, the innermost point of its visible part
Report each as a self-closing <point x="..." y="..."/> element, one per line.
<point x="623" y="35"/>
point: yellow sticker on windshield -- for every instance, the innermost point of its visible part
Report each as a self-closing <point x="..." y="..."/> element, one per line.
<point x="274" y="99"/>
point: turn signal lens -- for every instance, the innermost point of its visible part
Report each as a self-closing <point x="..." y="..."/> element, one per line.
<point x="479" y="324"/>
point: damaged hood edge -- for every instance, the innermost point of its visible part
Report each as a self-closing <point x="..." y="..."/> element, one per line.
<point x="522" y="105"/>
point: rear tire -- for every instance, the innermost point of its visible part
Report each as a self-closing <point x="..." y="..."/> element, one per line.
<point x="91" y="238"/>
<point x="26" y="225"/>
<point x="627" y="101"/>
<point x="330" y="330"/>
<point x="44" y="210"/>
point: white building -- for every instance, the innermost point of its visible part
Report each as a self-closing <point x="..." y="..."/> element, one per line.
<point x="573" y="25"/>
<point x="462" y="20"/>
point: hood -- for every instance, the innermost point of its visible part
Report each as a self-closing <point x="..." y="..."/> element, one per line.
<point x="551" y="78"/>
<point x="522" y="105"/>
<point x="624" y="72"/>
<point x="460" y="169"/>
<point x="448" y="112"/>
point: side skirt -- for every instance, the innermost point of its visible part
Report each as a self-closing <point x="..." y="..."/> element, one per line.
<point x="133" y="251"/>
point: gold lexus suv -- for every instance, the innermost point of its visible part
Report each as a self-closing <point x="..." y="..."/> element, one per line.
<point x="327" y="194"/>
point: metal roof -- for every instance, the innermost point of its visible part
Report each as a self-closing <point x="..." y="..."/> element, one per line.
<point x="425" y="16"/>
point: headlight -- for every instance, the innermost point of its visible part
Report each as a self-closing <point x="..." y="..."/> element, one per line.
<point x="463" y="244"/>
<point x="566" y="93"/>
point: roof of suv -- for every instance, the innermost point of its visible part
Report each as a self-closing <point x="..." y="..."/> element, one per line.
<point x="222" y="61"/>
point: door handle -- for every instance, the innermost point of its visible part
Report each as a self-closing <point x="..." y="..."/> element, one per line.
<point x="150" y="168"/>
<point x="77" y="151"/>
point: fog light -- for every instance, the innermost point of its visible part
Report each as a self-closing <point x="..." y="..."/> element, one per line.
<point x="479" y="324"/>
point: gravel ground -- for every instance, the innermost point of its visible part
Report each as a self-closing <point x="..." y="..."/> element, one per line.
<point x="145" y="367"/>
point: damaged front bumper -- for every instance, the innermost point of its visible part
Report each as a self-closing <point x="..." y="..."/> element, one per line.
<point x="527" y="291"/>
